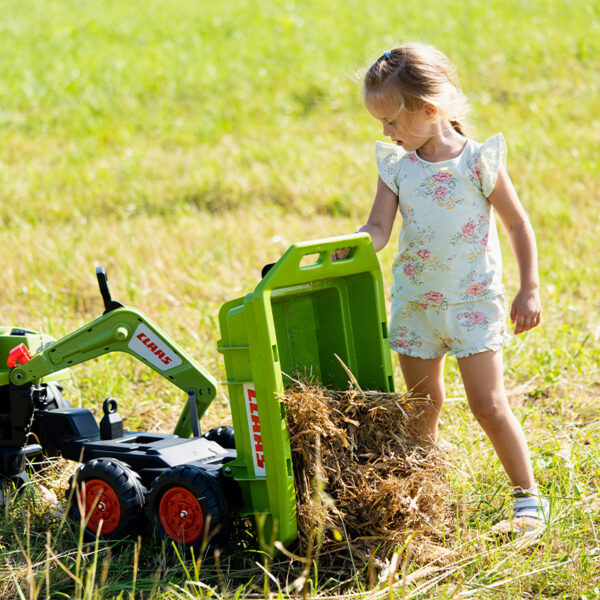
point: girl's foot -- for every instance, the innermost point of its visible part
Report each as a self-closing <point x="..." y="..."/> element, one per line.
<point x="532" y="506"/>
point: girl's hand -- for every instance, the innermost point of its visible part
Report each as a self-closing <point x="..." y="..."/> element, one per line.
<point x="340" y="254"/>
<point x="526" y="310"/>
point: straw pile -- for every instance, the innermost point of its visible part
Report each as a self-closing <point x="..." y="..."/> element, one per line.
<point x="361" y="483"/>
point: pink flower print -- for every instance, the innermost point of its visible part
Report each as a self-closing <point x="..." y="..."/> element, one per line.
<point x="477" y="172"/>
<point x="440" y="193"/>
<point x="484" y="240"/>
<point x="468" y="229"/>
<point x="442" y="177"/>
<point x="403" y="343"/>
<point x="424" y="253"/>
<point x="475" y="289"/>
<point x="476" y="317"/>
<point x="434" y="297"/>
<point x="412" y="158"/>
<point x="409" y="269"/>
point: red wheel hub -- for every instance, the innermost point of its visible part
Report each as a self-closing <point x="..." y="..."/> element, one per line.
<point x="181" y="515"/>
<point x="101" y="504"/>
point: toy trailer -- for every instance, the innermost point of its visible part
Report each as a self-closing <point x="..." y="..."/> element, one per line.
<point x="306" y="309"/>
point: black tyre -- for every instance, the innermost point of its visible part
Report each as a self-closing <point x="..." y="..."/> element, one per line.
<point x="223" y="435"/>
<point x="111" y="497"/>
<point x="188" y="506"/>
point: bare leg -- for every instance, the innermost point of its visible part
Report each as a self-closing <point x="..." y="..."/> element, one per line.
<point x="482" y="376"/>
<point x="425" y="377"/>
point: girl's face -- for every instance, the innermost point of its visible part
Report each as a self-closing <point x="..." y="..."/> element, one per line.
<point x="411" y="130"/>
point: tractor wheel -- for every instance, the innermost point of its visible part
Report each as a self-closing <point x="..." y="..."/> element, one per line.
<point x="223" y="435"/>
<point x="187" y="505"/>
<point x="111" y="497"/>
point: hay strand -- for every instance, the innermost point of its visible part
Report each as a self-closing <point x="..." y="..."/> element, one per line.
<point x="363" y="485"/>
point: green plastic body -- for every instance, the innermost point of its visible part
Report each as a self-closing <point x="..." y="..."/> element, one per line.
<point x="121" y="330"/>
<point x="34" y="341"/>
<point x="305" y="310"/>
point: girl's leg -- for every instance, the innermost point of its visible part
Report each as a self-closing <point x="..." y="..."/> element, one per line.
<point x="425" y="377"/>
<point x="482" y="376"/>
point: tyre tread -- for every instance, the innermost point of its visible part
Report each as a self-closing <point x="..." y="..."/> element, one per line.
<point x="124" y="481"/>
<point x="206" y="490"/>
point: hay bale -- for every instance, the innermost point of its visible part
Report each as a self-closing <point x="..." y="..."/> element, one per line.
<point x="362" y="483"/>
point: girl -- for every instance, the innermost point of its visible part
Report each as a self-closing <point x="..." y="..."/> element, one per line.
<point x="447" y="294"/>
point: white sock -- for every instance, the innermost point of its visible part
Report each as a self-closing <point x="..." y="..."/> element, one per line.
<point x="532" y="491"/>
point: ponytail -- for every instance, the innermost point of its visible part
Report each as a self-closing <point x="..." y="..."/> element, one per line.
<point x="458" y="126"/>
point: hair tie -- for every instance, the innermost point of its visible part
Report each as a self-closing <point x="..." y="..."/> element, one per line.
<point x="388" y="54"/>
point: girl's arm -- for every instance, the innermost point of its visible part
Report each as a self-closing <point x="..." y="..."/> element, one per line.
<point x="526" y="309"/>
<point x="381" y="219"/>
<point x="380" y="222"/>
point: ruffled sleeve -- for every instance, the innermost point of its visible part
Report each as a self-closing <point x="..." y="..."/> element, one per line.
<point x="387" y="157"/>
<point x="492" y="156"/>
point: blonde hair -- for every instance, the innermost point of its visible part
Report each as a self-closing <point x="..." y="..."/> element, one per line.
<point x="414" y="73"/>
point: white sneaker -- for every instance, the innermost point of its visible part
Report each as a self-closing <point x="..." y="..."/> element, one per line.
<point x="532" y="507"/>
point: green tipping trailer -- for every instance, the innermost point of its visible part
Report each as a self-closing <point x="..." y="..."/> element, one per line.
<point x="306" y="310"/>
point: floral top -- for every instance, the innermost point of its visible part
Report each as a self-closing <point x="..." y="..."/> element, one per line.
<point x="448" y="246"/>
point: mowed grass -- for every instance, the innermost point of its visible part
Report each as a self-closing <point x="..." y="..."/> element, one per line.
<point x="184" y="145"/>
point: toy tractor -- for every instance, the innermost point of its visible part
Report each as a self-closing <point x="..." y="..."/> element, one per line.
<point x="305" y="310"/>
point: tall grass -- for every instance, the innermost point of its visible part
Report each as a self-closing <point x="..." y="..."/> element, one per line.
<point x="184" y="145"/>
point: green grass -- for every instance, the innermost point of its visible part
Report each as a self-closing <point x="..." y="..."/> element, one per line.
<point x="147" y="136"/>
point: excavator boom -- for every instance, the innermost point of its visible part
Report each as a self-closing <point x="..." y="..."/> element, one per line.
<point x="124" y="329"/>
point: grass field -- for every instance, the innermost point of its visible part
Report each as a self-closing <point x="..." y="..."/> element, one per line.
<point x="184" y="145"/>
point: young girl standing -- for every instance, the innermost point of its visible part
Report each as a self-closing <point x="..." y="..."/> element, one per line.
<point x="447" y="294"/>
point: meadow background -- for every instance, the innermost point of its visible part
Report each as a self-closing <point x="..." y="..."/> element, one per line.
<point x="183" y="145"/>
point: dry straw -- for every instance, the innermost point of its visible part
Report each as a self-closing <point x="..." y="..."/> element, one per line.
<point x="363" y="486"/>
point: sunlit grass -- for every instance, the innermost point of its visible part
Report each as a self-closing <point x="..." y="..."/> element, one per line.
<point x="185" y="145"/>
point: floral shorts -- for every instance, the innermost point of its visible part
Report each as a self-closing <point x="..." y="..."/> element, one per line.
<point x="465" y="328"/>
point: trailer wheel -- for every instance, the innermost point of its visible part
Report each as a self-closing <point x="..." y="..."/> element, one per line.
<point x="188" y="506"/>
<point x="111" y="496"/>
<point x="223" y="435"/>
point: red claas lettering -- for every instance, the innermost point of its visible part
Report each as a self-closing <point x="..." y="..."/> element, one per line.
<point x="165" y="359"/>
<point x="257" y="437"/>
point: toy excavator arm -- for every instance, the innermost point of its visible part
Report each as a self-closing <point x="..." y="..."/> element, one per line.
<point x="123" y="329"/>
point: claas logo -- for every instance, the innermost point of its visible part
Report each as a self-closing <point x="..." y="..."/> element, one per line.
<point x="255" y="429"/>
<point x="154" y="348"/>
